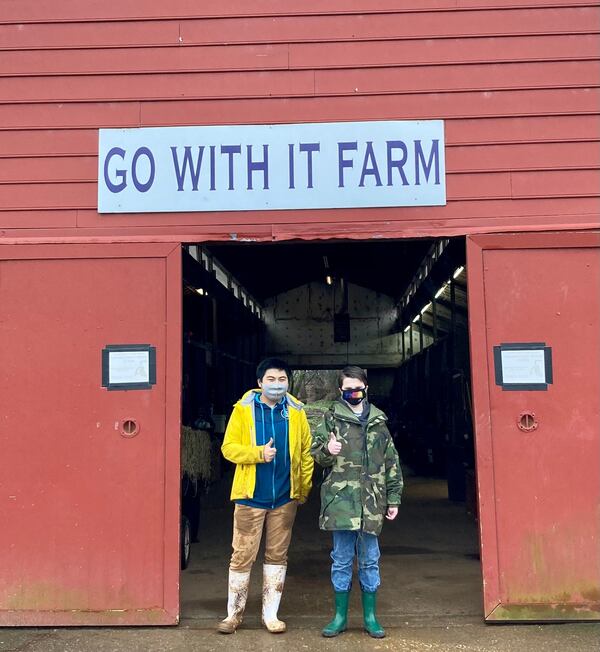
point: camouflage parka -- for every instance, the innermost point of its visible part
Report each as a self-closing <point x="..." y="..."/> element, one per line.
<point x="364" y="478"/>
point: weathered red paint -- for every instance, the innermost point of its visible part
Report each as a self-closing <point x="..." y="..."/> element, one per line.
<point x="515" y="85"/>
<point x="538" y="491"/>
<point x="90" y="517"/>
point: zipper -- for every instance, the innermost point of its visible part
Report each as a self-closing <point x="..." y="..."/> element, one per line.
<point x="288" y="456"/>
<point x="262" y="419"/>
<point x="262" y="414"/>
<point x="274" y="459"/>
<point x="327" y="506"/>
<point x="364" y="473"/>
<point x="287" y="436"/>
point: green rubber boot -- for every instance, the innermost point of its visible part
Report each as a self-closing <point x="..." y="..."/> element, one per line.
<point x="340" y="620"/>
<point x="369" y="604"/>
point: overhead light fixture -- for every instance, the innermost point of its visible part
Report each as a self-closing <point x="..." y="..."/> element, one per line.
<point x="426" y="308"/>
<point x="407" y="329"/>
<point x="328" y="280"/>
<point x="200" y="291"/>
<point x="416" y="319"/>
<point x="439" y="293"/>
<point x="458" y="272"/>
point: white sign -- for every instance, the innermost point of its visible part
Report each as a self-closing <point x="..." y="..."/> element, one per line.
<point x="523" y="366"/>
<point x="128" y="367"/>
<point x="269" y="167"/>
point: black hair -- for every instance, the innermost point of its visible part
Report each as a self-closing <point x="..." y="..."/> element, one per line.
<point x="273" y="363"/>
<point x="352" y="371"/>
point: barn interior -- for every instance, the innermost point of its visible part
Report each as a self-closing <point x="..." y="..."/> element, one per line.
<point x="397" y="309"/>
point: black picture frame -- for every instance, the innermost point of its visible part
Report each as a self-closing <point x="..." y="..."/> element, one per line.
<point x="133" y="348"/>
<point x="523" y="346"/>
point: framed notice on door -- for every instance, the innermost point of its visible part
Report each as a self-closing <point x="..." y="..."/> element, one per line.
<point x="525" y="366"/>
<point x="128" y="366"/>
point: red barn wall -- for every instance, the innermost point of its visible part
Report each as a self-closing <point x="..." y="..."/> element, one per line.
<point x="517" y="86"/>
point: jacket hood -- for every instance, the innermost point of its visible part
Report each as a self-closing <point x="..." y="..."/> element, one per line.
<point x="248" y="397"/>
<point x="343" y="411"/>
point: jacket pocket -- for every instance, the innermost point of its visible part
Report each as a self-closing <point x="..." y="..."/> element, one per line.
<point x="240" y="480"/>
<point x="380" y="497"/>
<point x="329" y="494"/>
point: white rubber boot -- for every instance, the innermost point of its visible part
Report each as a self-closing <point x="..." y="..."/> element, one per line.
<point x="236" y="601"/>
<point x="273" y="581"/>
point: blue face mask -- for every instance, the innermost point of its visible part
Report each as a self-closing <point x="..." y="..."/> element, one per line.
<point x="274" y="391"/>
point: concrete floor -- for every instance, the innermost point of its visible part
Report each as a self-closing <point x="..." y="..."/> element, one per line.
<point x="430" y="598"/>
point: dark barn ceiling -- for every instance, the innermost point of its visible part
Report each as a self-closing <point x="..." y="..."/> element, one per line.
<point x="269" y="269"/>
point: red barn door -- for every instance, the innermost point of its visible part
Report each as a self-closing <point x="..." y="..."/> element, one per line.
<point x="534" y="303"/>
<point x="89" y="486"/>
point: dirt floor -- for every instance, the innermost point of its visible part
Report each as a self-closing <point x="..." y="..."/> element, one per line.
<point x="430" y="598"/>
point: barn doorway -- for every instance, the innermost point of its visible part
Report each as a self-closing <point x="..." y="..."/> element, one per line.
<point x="396" y="308"/>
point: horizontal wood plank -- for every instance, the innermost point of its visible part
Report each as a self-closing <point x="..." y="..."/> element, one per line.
<point x="481" y="133"/>
<point x="174" y="58"/>
<point x="459" y="187"/>
<point x="499" y="210"/>
<point x="95" y="10"/>
<point x="301" y="28"/>
<point x="401" y="81"/>
<point x="361" y="54"/>
<point x="384" y="107"/>
<point x="425" y="24"/>
<point x="556" y="183"/>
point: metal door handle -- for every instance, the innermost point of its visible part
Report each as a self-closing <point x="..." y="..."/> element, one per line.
<point x="129" y="427"/>
<point x="527" y="422"/>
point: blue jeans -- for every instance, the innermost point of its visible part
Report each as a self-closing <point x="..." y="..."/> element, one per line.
<point x="347" y="544"/>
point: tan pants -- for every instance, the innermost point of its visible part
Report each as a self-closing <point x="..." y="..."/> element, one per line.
<point x="248" y="523"/>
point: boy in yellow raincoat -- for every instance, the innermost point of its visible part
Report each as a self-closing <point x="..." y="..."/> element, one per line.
<point x="268" y="439"/>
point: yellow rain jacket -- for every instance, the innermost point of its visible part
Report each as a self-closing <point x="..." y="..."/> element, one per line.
<point x="239" y="446"/>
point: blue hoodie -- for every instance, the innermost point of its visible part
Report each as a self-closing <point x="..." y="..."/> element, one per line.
<point x="272" y="488"/>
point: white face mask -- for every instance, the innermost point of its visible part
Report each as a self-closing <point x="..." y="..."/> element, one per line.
<point x="274" y="391"/>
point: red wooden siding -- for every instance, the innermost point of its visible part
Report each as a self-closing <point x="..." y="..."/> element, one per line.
<point x="518" y="87"/>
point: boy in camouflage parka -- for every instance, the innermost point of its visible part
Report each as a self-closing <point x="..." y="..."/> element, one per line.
<point x="363" y="484"/>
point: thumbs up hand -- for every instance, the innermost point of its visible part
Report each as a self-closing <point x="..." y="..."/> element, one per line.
<point x="333" y="445"/>
<point x="269" y="451"/>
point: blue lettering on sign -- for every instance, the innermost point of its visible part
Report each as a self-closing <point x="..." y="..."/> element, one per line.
<point x="291" y="166"/>
<point x="342" y="162"/>
<point x="258" y="166"/>
<point x="188" y="164"/>
<point x="309" y="148"/>
<point x="142" y="187"/>
<point x="371" y="169"/>
<point x="212" y="167"/>
<point x="396" y="163"/>
<point x="230" y="150"/>
<point x="434" y="157"/>
<point x="120" y="174"/>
